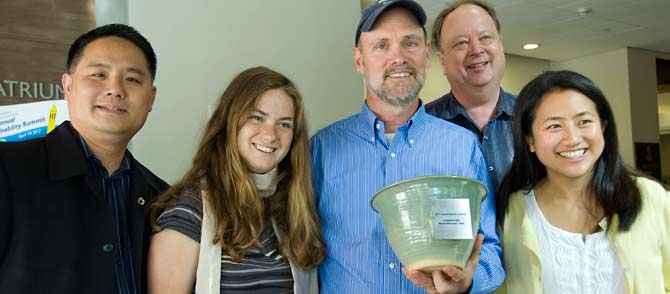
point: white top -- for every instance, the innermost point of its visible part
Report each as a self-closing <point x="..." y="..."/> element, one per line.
<point x="389" y="137"/>
<point x="208" y="272"/>
<point x="571" y="264"/>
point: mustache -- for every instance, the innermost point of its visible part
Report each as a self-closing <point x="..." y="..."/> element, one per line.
<point x="405" y="67"/>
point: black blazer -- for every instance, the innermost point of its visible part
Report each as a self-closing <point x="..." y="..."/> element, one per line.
<point x="54" y="222"/>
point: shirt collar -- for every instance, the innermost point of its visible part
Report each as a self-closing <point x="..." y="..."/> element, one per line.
<point x="374" y="126"/>
<point x="125" y="163"/>
<point x="505" y="103"/>
<point x="453" y="108"/>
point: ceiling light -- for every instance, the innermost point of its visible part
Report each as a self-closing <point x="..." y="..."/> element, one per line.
<point x="531" y="46"/>
<point x="584" y="11"/>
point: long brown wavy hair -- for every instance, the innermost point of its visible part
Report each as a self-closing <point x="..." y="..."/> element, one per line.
<point x="219" y="170"/>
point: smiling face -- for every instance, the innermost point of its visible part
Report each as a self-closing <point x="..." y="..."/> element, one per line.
<point x="110" y="90"/>
<point x="471" y="52"/>
<point x="393" y="58"/>
<point x="567" y="135"/>
<point x="265" y="137"/>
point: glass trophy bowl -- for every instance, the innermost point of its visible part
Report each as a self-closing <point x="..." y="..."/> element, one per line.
<point x="431" y="221"/>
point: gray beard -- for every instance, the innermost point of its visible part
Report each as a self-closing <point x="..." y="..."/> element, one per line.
<point x="394" y="96"/>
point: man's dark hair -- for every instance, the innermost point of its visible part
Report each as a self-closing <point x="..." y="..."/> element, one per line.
<point x="439" y="20"/>
<point x="112" y="30"/>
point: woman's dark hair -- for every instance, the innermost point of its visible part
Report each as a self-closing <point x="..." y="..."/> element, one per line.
<point x="612" y="181"/>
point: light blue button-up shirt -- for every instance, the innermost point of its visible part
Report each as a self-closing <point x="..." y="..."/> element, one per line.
<point x="351" y="161"/>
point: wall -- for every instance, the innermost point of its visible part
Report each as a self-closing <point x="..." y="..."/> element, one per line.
<point x="111" y="11"/>
<point x="212" y="41"/>
<point x="609" y="71"/>
<point x="201" y="45"/>
<point x="664" y="112"/>
<point x="198" y="56"/>
<point x="665" y="157"/>
<point x="643" y="95"/>
<point x="519" y="70"/>
<point x="436" y="83"/>
<point x="34" y="39"/>
<point x="626" y="76"/>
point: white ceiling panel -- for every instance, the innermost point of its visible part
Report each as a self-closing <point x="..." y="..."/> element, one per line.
<point x="606" y="8"/>
<point x="521" y="16"/>
<point x="563" y="34"/>
<point x="548" y="29"/>
<point x="499" y="4"/>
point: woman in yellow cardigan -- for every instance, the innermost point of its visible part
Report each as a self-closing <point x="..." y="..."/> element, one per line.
<point x="574" y="218"/>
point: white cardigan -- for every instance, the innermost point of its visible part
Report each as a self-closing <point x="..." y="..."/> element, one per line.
<point x="208" y="275"/>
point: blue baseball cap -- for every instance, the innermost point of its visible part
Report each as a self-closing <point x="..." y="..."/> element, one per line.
<point x="372" y="12"/>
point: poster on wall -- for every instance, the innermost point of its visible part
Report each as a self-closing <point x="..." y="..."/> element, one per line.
<point x="27" y="121"/>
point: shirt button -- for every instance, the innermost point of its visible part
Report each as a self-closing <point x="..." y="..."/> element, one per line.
<point x="486" y="137"/>
<point x="411" y="141"/>
<point x="391" y="265"/>
<point x="378" y="126"/>
<point x="392" y="155"/>
<point x="107" y="248"/>
<point x="372" y="139"/>
<point x="491" y="168"/>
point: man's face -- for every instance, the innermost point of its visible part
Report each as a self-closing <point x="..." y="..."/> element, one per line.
<point x="109" y="91"/>
<point x="393" y="58"/>
<point x="471" y="54"/>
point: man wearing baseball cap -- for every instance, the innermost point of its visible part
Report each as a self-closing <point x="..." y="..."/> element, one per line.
<point x="390" y="140"/>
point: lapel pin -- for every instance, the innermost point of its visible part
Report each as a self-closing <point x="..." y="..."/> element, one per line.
<point x="140" y="201"/>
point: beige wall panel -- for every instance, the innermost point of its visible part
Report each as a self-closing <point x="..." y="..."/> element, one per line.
<point x="33" y="58"/>
<point x="4" y="17"/>
<point x="59" y="21"/>
<point x="34" y="38"/>
<point x="519" y="70"/>
<point x="609" y="71"/>
<point x="30" y="61"/>
<point x="665" y="158"/>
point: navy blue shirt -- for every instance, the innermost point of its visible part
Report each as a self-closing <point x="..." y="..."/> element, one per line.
<point x="115" y="189"/>
<point x="496" y="140"/>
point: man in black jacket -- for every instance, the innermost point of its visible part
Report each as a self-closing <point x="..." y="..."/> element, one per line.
<point x="72" y="204"/>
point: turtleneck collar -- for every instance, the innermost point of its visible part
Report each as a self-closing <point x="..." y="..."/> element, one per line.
<point x="266" y="183"/>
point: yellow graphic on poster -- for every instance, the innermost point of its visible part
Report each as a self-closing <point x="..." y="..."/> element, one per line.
<point x="20" y="122"/>
<point x="52" y="118"/>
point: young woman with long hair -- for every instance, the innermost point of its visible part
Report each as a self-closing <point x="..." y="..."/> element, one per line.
<point x="574" y="218"/>
<point x="243" y="217"/>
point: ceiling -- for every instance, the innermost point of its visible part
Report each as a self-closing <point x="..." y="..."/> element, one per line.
<point x="564" y="34"/>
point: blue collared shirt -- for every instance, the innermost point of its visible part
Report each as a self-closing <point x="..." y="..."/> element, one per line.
<point x="115" y="189"/>
<point x="351" y="161"/>
<point x="497" y="141"/>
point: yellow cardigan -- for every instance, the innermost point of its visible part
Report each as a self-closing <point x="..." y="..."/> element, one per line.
<point x="643" y="250"/>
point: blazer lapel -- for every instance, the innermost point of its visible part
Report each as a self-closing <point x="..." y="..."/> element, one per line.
<point x="66" y="158"/>
<point x="142" y="190"/>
